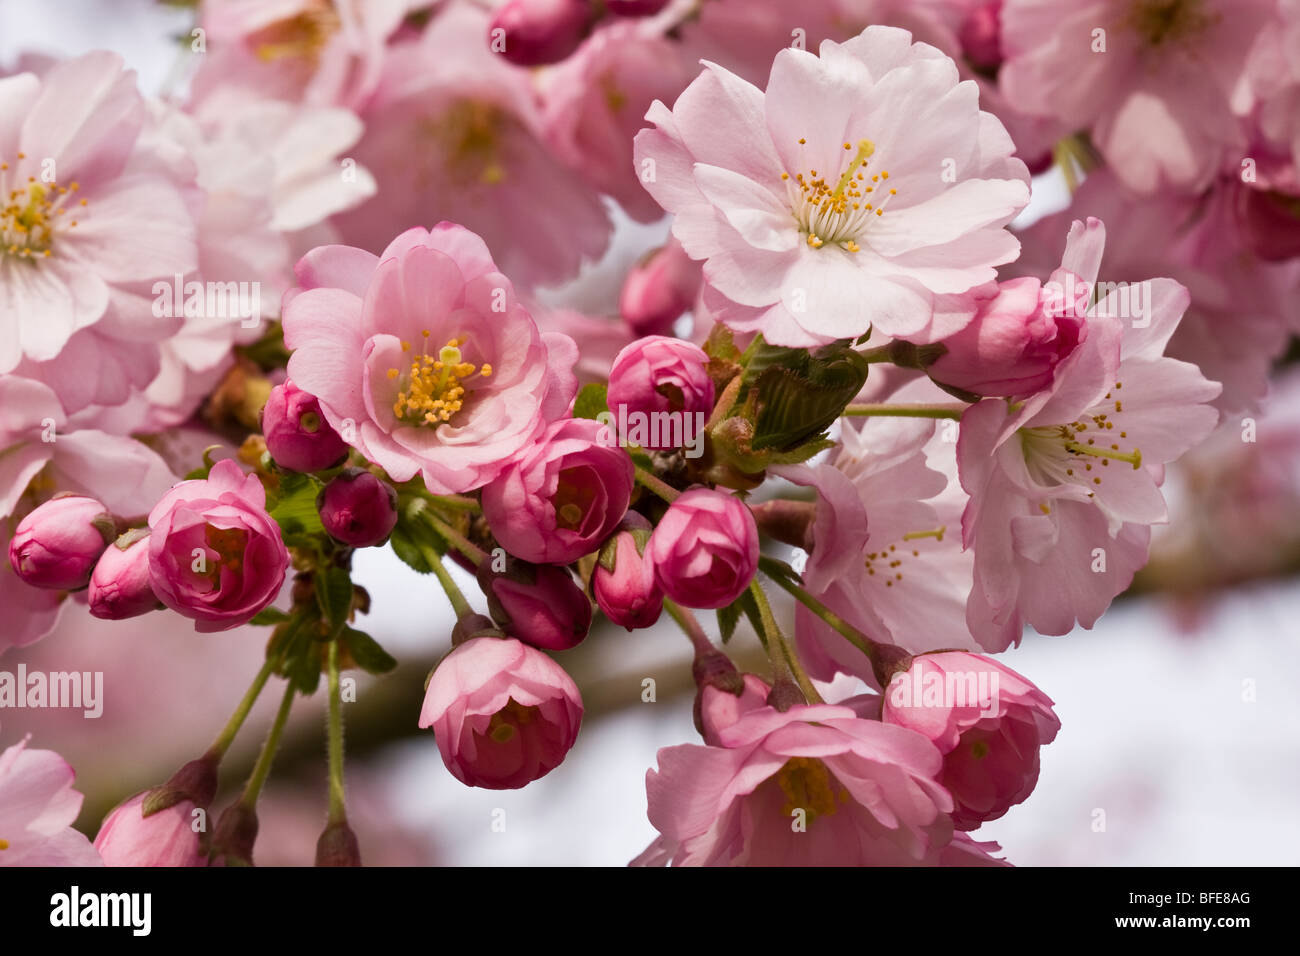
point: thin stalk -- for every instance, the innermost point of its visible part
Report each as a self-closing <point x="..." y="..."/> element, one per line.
<point x="227" y="735"/>
<point x="906" y="410"/>
<point x="660" y="488"/>
<point x="337" y="813"/>
<point x="262" y="769"/>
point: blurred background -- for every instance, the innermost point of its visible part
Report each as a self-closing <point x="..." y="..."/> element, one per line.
<point x="1181" y="725"/>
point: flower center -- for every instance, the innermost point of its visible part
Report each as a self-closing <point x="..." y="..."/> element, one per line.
<point x="229" y="544"/>
<point x="890" y="559"/>
<point x="1057" y="451"/>
<point x="507" y="721"/>
<point x="4" y="844"/>
<point x="1168" y="21"/>
<point x="431" y="389"/>
<point x="469" y="136"/>
<point x="32" y="213"/>
<point x="303" y="35"/>
<point x="839" y="214"/>
<point x="809" y="786"/>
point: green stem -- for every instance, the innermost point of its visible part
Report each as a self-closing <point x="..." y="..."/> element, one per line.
<point x="454" y="593"/>
<point x="337" y="814"/>
<point x="881" y="353"/>
<point x="262" y="769"/>
<point x="227" y="735"/>
<point x="779" y="650"/>
<point x="689" y="624"/>
<point x="457" y="540"/>
<point x="907" y="410"/>
<point x="775" y="571"/>
<point x="660" y="488"/>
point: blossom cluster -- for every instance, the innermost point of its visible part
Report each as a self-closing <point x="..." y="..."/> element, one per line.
<point x="316" y="303"/>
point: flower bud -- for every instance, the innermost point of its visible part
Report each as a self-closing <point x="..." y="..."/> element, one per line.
<point x="659" y="289"/>
<point x="705" y="549"/>
<point x="57" y="545"/>
<point x="233" y="839"/>
<point x="297" y="435"/>
<point x="166" y="837"/>
<point x="338" y="846"/>
<point x="539" y="604"/>
<point x="503" y="713"/>
<point x="119" y="585"/>
<point x="1020" y="333"/>
<point x="357" y="508"/>
<point x="538" y="32"/>
<point x="981" y="36"/>
<point x="660" y="394"/>
<point x="563" y="497"/>
<point x="623" y="582"/>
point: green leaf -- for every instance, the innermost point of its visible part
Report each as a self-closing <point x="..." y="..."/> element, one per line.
<point x="295" y="511"/>
<point x="269" y="615"/>
<point x="408" y="550"/>
<point x="591" y="401"/>
<point x="334" y="595"/>
<point x="365" y="650"/>
<point x="728" y="617"/>
<point x="304" y="670"/>
<point x="800" y="400"/>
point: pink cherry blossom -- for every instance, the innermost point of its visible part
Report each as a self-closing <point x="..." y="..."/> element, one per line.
<point x="503" y="713"/>
<point x="455" y="132"/>
<point x="91" y="219"/>
<point x="37" y="810"/>
<point x="1153" y="83"/>
<point x="594" y="102"/>
<point x="1241" y="309"/>
<point x="887" y="553"/>
<point x="866" y="792"/>
<point x="313" y="51"/>
<point x="371" y="336"/>
<point x="1065" y="486"/>
<point x="821" y="208"/>
<point x="988" y="721"/>
<point x="215" y="555"/>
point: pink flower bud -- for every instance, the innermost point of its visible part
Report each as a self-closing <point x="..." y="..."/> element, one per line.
<point x="635" y="8"/>
<point x="705" y="549"/>
<point x="503" y="714"/>
<point x="561" y="498"/>
<point x="119" y="586"/>
<point x="165" y="838"/>
<point x="539" y="604"/>
<point x="540" y="31"/>
<point x="719" y="708"/>
<point x="987" y="721"/>
<point x="57" y="545"/>
<point x="357" y="508"/>
<point x="623" y="582"/>
<point x="660" y="394"/>
<point x="1019" y="335"/>
<point x="215" y="555"/>
<point x="659" y="289"/>
<point x="981" y="36"/>
<point x="297" y="435"/>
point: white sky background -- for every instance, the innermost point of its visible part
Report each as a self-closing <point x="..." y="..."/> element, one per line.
<point x="1156" y="732"/>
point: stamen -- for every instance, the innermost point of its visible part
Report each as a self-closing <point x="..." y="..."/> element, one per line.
<point x="1133" y="457"/>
